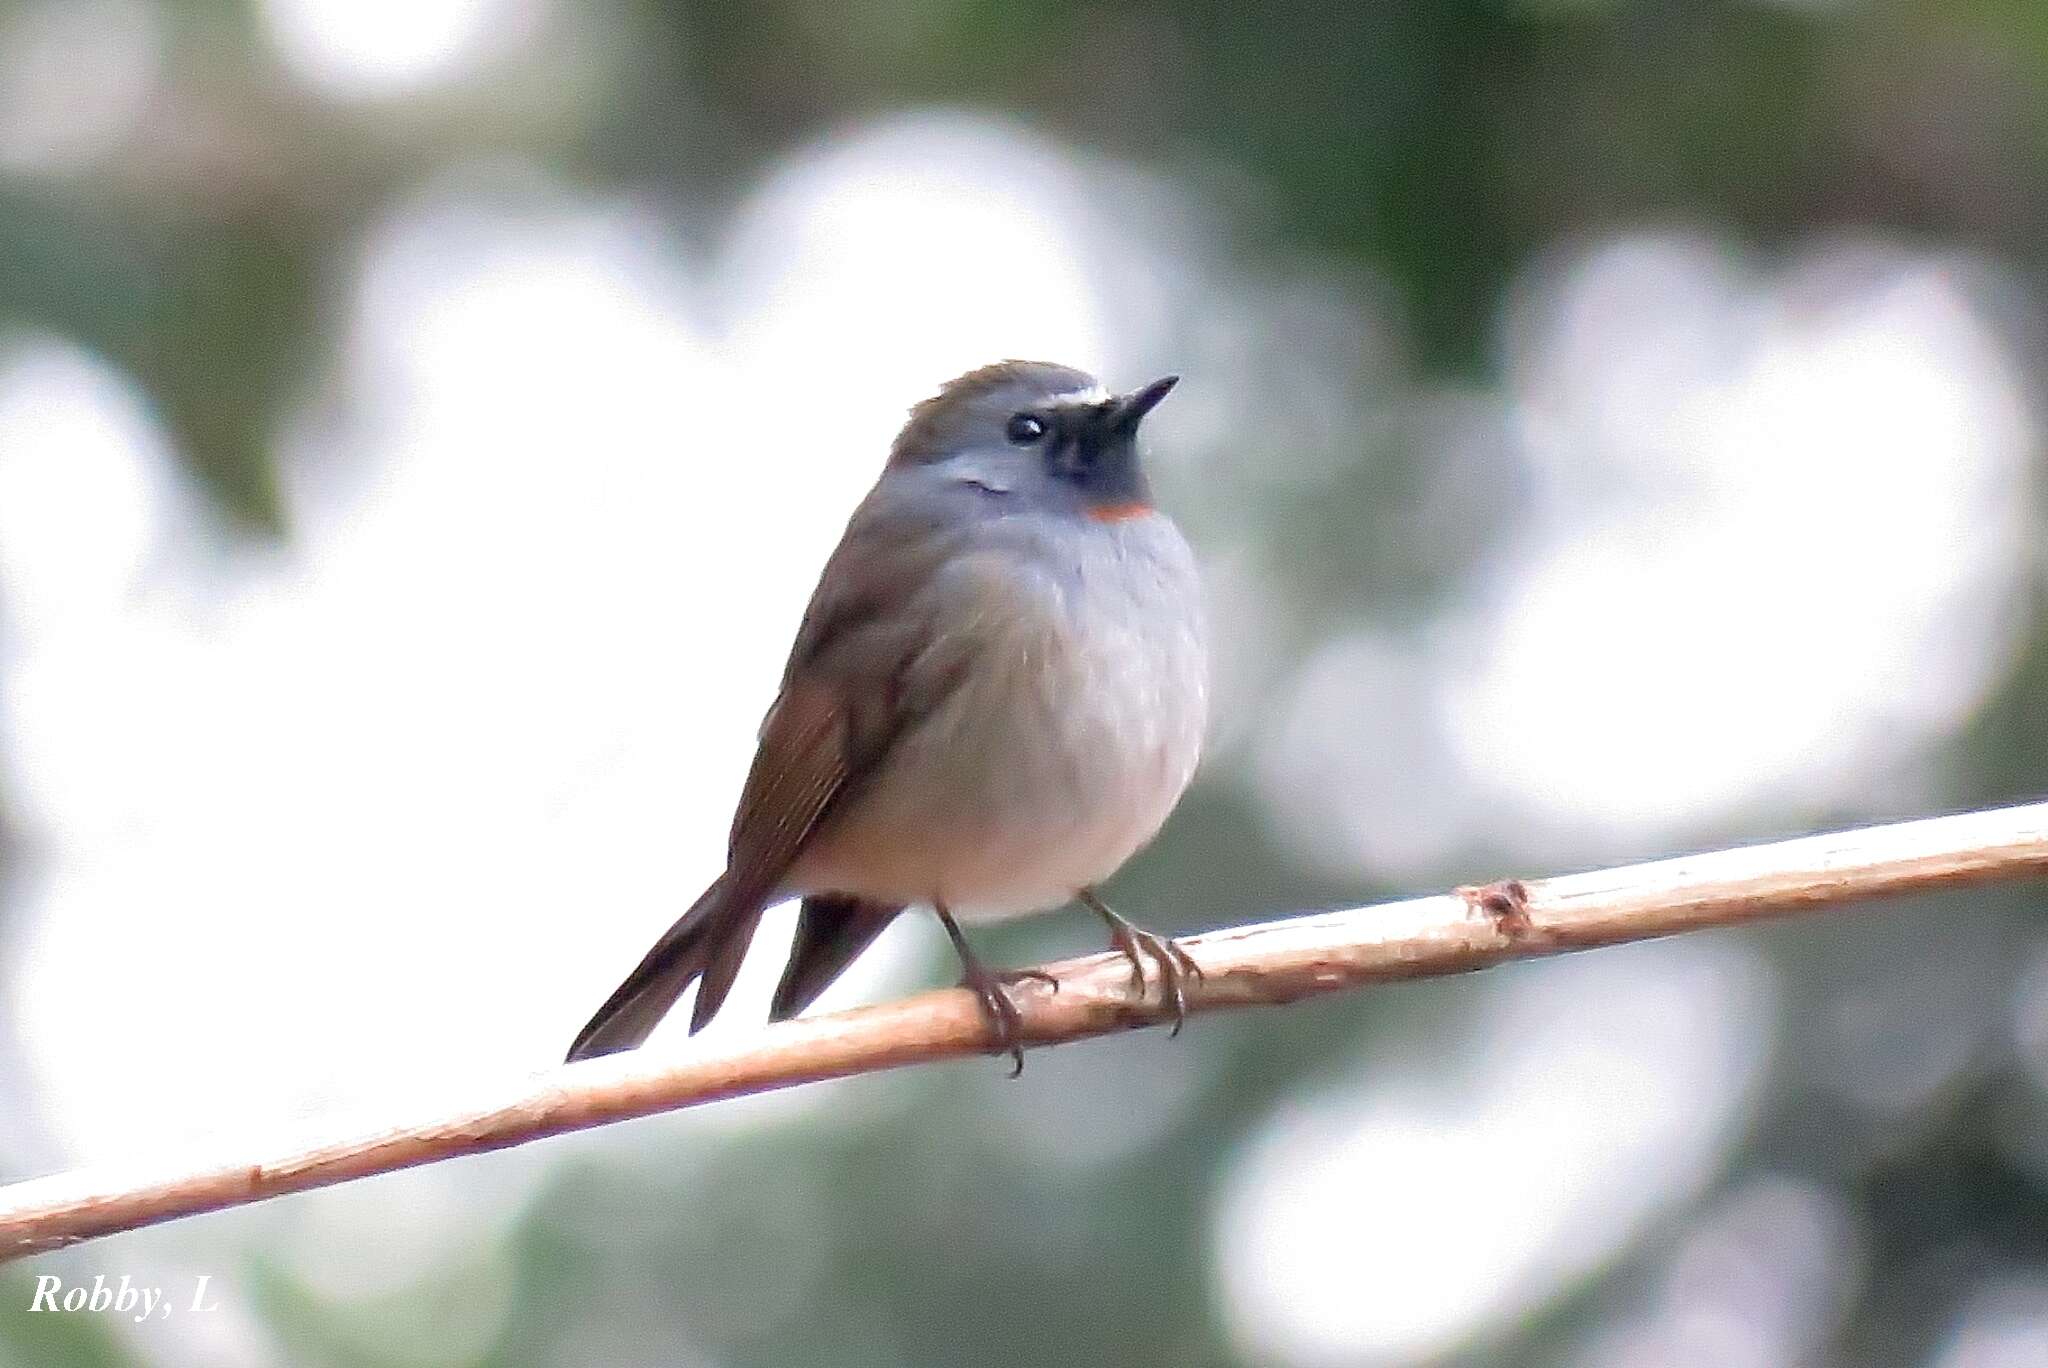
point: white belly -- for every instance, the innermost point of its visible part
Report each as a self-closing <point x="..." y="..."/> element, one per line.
<point x="1059" y="757"/>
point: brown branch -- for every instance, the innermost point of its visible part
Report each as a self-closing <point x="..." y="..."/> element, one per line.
<point x="1244" y="966"/>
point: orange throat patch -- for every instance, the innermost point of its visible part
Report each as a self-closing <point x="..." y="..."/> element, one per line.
<point x="1119" y="512"/>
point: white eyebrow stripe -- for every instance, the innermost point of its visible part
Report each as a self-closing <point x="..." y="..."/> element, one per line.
<point x="1094" y="394"/>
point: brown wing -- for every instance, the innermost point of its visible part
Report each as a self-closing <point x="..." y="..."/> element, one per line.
<point x="801" y="766"/>
<point x="867" y="662"/>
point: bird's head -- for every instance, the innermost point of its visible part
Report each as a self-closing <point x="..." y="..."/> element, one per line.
<point x="1048" y="435"/>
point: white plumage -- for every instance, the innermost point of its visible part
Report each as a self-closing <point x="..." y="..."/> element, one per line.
<point x="1067" y="746"/>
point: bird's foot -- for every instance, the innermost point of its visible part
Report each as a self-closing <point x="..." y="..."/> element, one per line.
<point x="1005" y="1024"/>
<point x="1176" y="965"/>
<point x="991" y="987"/>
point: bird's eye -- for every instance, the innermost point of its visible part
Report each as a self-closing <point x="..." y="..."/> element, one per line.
<point x="1025" y="428"/>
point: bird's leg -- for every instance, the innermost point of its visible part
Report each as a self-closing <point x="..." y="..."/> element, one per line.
<point x="989" y="985"/>
<point x="1176" y="966"/>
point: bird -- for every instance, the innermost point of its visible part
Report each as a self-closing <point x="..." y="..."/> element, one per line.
<point x="996" y="696"/>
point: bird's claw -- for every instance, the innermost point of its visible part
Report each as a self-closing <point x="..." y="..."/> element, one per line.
<point x="1176" y="966"/>
<point x="1006" y="1024"/>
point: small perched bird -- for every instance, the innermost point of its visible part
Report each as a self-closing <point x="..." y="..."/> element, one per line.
<point x="997" y="695"/>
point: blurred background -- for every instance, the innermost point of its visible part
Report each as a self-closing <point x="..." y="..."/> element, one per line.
<point x="1610" y="430"/>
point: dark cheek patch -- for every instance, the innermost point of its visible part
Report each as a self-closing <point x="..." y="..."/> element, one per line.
<point x="1119" y="512"/>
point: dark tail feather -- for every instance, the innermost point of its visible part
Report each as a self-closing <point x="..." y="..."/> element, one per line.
<point x="708" y="941"/>
<point x="721" y="967"/>
<point x="830" y="931"/>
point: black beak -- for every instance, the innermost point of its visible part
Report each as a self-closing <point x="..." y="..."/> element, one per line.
<point x="1126" y="413"/>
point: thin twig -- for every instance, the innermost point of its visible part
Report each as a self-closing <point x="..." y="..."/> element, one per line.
<point x="1242" y="966"/>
